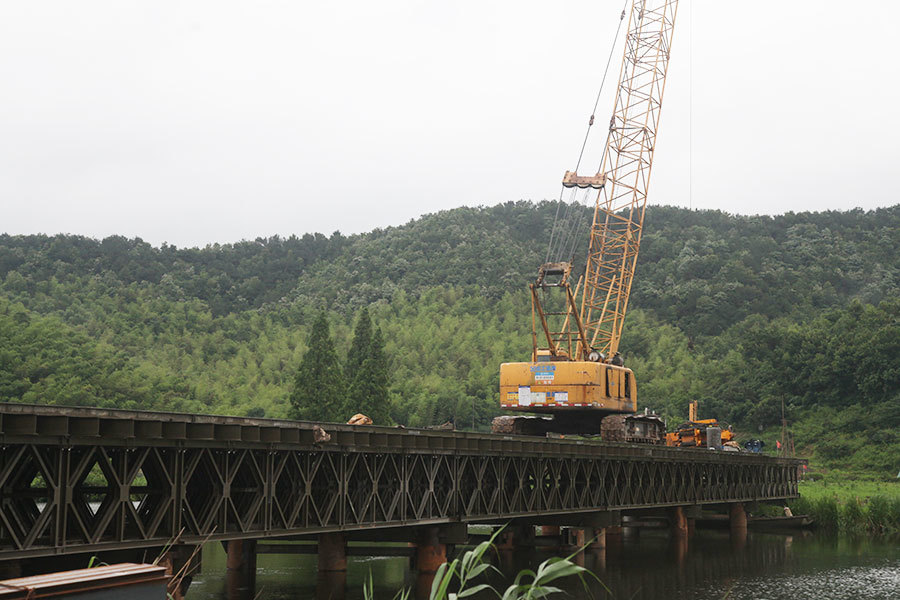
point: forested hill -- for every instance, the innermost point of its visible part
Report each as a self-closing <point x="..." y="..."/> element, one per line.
<point x="700" y="270"/>
<point x="741" y="312"/>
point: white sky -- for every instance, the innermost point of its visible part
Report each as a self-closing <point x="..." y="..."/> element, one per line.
<point x="202" y="121"/>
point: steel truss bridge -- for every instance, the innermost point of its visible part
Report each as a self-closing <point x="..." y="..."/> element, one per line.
<point x="76" y="480"/>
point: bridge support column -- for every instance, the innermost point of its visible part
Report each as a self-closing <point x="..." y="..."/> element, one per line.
<point x="615" y="540"/>
<point x="678" y="523"/>
<point x="430" y="552"/>
<point x="514" y="537"/>
<point x="587" y="538"/>
<point x="614" y="535"/>
<point x="598" y="550"/>
<point x="737" y="518"/>
<point x="576" y="537"/>
<point x="331" y="585"/>
<point x="692" y="513"/>
<point x="182" y="562"/>
<point x="240" y="564"/>
<point x="422" y="586"/>
<point x="738" y="523"/>
<point x="599" y="539"/>
<point x="332" y="552"/>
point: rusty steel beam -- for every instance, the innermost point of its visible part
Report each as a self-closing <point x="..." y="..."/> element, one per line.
<point x="75" y="480"/>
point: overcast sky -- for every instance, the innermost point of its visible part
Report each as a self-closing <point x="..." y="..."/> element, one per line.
<point x="198" y="121"/>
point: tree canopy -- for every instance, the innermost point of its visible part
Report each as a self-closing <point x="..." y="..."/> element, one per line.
<point x="739" y="312"/>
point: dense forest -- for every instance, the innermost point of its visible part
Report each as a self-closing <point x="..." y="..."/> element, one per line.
<point x="742" y="313"/>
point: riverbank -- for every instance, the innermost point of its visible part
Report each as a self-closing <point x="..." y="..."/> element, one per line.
<point x="852" y="507"/>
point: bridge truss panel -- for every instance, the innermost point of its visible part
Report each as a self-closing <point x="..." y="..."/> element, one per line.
<point x="76" y="481"/>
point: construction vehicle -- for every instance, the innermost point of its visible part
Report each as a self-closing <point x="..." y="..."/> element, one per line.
<point x="576" y="381"/>
<point x="703" y="433"/>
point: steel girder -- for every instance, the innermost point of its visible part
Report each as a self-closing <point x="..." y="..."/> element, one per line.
<point x="65" y="492"/>
<point x="147" y="496"/>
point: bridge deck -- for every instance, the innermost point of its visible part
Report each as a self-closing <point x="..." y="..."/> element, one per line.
<point x="78" y="480"/>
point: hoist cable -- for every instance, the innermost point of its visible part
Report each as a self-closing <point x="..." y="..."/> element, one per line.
<point x="562" y="231"/>
<point x="602" y="83"/>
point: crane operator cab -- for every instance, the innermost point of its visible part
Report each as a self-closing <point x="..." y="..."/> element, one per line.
<point x="555" y="382"/>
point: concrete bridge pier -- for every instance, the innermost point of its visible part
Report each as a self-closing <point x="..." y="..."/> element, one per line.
<point x="240" y="566"/>
<point x="737" y="517"/>
<point x="182" y="562"/>
<point x="332" y="552"/>
<point x="598" y="541"/>
<point x="331" y="585"/>
<point x="514" y="537"/>
<point x="587" y="538"/>
<point x="577" y="537"/>
<point x="678" y="523"/>
<point x="422" y="587"/>
<point x="430" y="553"/>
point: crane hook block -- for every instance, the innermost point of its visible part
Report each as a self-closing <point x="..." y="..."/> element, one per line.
<point x="572" y="179"/>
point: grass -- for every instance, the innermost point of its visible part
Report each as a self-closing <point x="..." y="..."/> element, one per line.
<point x="850" y="489"/>
<point x="852" y="507"/>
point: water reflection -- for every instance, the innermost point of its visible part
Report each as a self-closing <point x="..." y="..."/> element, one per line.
<point x="331" y="585"/>
<point x="710" y="565"/>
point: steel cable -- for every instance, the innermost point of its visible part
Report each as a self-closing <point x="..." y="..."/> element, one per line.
<point x="563" y="234"/>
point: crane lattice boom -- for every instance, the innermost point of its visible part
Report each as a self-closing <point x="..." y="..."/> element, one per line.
<point x="625" y="172"/>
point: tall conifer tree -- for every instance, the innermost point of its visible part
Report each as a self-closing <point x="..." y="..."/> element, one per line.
<point x="319" y="389"/>
<point x="361" y="345"/>
<point x="370" y="381"/>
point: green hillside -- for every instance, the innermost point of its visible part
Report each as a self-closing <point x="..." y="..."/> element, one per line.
<point x="743" y="313"/>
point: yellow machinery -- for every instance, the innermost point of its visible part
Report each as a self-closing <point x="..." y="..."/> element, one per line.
<point x="576" y="374"/>
<point x="699" y="432"/>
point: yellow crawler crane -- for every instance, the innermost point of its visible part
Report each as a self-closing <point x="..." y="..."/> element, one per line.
<point x="576" y="374"/>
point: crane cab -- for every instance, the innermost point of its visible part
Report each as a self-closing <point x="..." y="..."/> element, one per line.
<point x="551" y="384"/>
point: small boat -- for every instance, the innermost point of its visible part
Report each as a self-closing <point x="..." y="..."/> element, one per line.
<point x="780" y="522"/>
<point x="792" y="522"/>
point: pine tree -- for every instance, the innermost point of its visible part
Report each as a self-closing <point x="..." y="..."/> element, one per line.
<point x="369" y="389"/>
<point x="319" y="388"/>
<point x="381" y="379"/>
<point x="360" y="347"/>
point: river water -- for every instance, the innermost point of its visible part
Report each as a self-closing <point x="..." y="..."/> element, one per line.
<point x="646" y="567"/>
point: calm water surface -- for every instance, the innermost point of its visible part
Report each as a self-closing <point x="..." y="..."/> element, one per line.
<point x="648" y="567"/>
